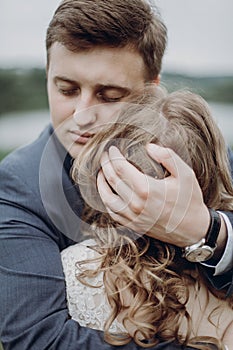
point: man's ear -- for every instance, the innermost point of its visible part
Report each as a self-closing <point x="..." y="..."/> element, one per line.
<point x="47" y="70"/>
<point x="157" y="80"/>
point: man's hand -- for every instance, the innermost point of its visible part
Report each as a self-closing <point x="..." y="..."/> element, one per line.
<point x="170" y="209"/>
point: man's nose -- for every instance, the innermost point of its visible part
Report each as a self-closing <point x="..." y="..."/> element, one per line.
<point x="86" y="113"/>
<point x="85" y="117"/>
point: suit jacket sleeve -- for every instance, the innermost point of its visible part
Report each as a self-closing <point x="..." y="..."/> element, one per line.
<point x="225" y="280"/>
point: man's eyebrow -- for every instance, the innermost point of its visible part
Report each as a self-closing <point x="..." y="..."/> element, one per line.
<point x="98" y="86"/>
<point x="113" y="86"/>
<point x="64" y="79"/>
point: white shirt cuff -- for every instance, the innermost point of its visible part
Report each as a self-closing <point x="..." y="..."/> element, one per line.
<point x="226" y="262"/>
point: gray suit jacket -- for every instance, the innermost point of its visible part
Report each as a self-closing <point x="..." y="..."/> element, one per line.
<point x="39" y="216"/>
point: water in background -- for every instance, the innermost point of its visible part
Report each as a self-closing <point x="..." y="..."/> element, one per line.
<point x="21" y="128"/>
<point x="223" y="114"/>
<point x="17" y="129"/>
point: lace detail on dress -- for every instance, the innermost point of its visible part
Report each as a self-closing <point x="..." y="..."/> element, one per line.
<point x="88" y="306"/>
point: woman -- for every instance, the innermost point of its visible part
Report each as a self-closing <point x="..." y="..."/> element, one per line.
<point x="131" y="285"/>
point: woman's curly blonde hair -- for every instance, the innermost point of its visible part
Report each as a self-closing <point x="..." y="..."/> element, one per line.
<point x="153" y="274"/>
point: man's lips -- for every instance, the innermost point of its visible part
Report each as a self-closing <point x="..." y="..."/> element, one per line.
<point x="80" y="138"/>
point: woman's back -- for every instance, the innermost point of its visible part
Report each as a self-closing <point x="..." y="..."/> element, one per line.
<point x="89" y="306"/>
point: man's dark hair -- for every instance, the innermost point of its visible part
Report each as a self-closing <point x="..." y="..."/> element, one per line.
<point x="85" y="24"/>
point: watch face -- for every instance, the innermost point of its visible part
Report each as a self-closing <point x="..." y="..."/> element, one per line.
<point x="200" y="254"/>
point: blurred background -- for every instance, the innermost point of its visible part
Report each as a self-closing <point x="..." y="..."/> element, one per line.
<point x="199" y="56"/>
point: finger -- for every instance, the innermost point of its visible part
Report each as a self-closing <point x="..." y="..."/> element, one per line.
<point x="118" y="218"/>
<point x="130" y="175"/>
<point x="139" y="184"/>
<point x="136" y="223"/>
<point x="125" y="222"/>
<point x="169" y="159"/>
<point x="112" y="201"/>
<point x="127" y="209"/>
<point x="113" y="166"/>
<point x="185" y="186"/>
<point x="105" y="191"/>
<point x="118" y="184"/>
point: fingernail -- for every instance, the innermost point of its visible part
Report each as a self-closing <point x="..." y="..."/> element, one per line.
<point x="151" y="147"/>
<point x="113" y="148"/>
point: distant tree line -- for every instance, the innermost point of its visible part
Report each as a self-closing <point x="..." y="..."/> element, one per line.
<point x="25" y="89"/>
<point x="218" y="89"/>
<point x="22" y="90"/>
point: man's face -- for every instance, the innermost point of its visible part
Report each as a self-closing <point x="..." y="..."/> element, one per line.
<point x="85" y="90"/>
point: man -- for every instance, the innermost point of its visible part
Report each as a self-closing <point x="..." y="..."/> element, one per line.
<point x="100" y="54"/>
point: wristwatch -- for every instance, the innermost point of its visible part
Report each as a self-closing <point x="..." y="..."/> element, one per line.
<point x="204" y="249"/>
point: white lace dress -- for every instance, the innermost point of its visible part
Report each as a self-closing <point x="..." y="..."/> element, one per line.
<point x="87" y="305"/>
<point x="90" y="308"/>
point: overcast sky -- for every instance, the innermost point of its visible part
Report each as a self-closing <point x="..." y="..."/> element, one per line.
<point x="199" y="31"/>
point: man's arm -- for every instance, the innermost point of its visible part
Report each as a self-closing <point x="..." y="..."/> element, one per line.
<point x="33" y="310"/>
<point x="33" y="306"/>
<point x="171" y="210"/>
<point x="220" y="274"/>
